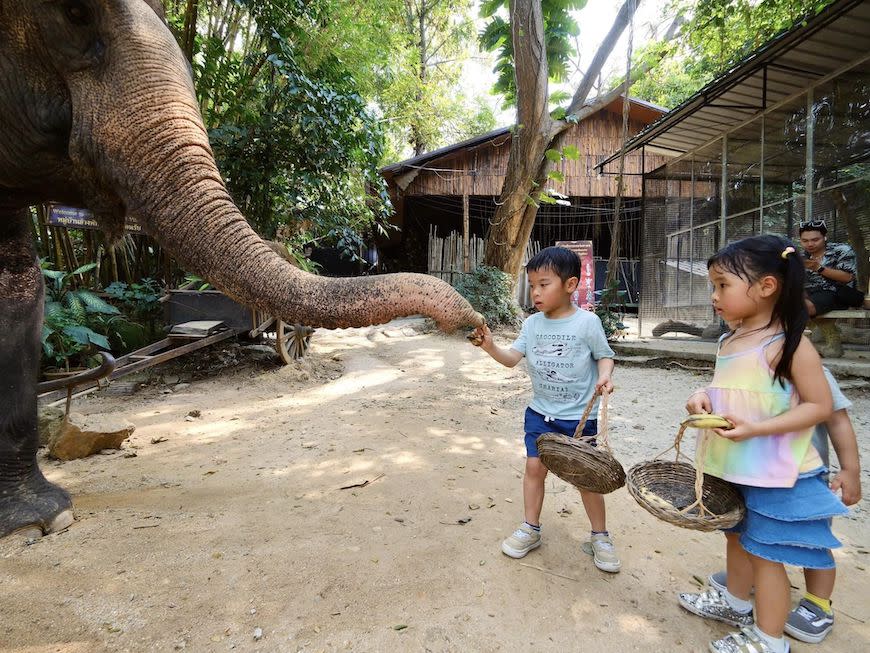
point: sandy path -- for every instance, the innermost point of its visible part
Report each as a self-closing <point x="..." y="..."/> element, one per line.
<point x="236" y="522"/>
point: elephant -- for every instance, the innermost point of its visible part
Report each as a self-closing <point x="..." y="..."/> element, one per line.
<point x="97" y="109"/>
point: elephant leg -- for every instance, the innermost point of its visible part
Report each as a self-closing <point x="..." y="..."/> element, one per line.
<point x="27" y="500"/>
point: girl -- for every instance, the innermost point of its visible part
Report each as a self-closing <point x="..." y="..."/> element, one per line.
<point x="769" y="383"/>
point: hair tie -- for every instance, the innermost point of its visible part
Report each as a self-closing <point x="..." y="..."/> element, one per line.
<point x="786" y="252"/>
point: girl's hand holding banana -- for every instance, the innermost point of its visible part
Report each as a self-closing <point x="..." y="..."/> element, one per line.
<point x="699" y="402"/>
<point x="741" y="430"/>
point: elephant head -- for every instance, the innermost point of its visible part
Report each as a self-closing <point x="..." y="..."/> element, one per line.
<point x="97" y="108"/>
<point x="101" y="102"/>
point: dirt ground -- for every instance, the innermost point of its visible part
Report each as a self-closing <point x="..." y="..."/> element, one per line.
<point x="230" y="528"/>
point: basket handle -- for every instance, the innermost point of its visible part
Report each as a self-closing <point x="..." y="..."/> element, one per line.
<point x="676" y="445"/>
<point x="602" y="429"/>
<point x="703" y="442"/>
<point x="700" y="454"/>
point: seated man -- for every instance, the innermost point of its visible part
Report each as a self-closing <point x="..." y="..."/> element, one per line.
<point x="831" y="270"/>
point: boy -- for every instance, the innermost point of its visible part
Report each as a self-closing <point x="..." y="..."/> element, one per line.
<point x="813" y="618"/>
<point x="568" y="359"/>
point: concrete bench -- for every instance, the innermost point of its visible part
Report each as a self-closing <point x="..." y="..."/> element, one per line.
<point x="832" y="345"/>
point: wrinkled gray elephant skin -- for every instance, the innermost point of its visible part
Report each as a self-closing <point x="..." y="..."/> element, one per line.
<point x="97" y="109"/>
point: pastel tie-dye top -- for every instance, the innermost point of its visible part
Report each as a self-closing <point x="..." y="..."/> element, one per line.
<point x="743" y="385"/>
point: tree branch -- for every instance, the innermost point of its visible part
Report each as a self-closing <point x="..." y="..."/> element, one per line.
<point x="623" y="18"/>
<point x="584" y="110"/>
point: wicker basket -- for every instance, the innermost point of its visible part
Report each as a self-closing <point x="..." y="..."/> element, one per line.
<point x="682" y="495"/>
<point x="576" y="461"/>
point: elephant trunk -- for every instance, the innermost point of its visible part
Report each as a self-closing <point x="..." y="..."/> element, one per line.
<point x="142" y="132"/>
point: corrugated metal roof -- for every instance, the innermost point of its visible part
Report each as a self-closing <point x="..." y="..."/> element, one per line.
<point x="783" y="67"/>
<point x="426" y="157"/>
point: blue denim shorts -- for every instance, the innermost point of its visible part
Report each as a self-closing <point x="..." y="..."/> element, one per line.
<point x="791" y="525"/>
<point x="535" y="424"/>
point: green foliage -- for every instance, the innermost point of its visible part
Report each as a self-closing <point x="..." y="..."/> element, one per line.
<point x="717" y="34"/>
<point x="560" y="29"/>
<point x="551" y="195"/>
<point x="61" y="293"/>
<point x="425" y="103"/>
<point x="606" y="308"/>
<point x="139" y="301"/>
<point x="490" y="292"/>
<point x="305" y="99"/>
<point x="295" y="140"/>
<point x="69" y="315"/>
<point x="195" y="282"/>
<point x="296" y="249"/>
<point x="142" y="317"/>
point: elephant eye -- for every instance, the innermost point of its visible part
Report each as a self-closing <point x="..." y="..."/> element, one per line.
<point x="76" y="12"/>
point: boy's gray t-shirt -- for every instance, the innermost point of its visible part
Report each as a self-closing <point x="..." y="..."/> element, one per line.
<point x="561" y="359"/>
<point x="820" y="434"/>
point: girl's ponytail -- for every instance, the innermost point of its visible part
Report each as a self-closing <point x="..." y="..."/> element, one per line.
<point x="790" y="307"/>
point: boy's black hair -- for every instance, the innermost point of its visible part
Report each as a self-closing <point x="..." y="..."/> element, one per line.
<point x="758" y="256"/>
<point x="562" y="261"/>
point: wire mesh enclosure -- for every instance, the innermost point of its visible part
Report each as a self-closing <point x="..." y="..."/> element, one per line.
<point x="804" y="158"/>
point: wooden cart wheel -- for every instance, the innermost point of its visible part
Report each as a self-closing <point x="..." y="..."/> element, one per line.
<point x="291" y="340"/>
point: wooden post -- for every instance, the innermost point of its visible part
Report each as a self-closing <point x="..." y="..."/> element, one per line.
<point x="466" y="263"/>
<point x="42" y="222"/>
<point x="113" y="260"/>
<point x="58" y="250"/>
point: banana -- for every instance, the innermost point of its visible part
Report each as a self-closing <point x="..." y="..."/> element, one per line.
<point x="706" y="421"/>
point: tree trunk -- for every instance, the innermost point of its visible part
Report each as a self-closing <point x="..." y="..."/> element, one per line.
<point x="418" y="141"/>
<point x="536" y="131"/>
<point x="188" y="41"/>
<point x="856" y="238"/>
<point x="513" y="220"/>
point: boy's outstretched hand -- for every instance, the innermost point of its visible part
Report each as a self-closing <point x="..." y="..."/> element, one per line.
<point x="481" y="337"/>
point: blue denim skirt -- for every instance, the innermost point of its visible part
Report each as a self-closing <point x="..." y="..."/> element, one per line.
<point x="791" y="525"/>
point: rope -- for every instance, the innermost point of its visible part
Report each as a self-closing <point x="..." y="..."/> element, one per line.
<point x="704" y="440"/>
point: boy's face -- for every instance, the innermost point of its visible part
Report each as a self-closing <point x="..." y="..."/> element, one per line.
<point x="549" y="293"/>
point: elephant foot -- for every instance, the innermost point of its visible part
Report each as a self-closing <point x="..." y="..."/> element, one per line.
<point x="34" y="509"/>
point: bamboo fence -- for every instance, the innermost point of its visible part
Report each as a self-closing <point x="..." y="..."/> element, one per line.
<point x="446" y="260"/>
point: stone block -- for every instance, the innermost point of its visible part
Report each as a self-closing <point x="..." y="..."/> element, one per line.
<point x="83" y="436"/>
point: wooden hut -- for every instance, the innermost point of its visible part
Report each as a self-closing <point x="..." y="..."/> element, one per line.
<point x="456" y="189"/>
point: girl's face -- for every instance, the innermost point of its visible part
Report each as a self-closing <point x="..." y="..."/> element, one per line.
<point x="733" y="297"/>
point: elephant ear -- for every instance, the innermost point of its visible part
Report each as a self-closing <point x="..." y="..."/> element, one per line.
<point x="157" y="6"/>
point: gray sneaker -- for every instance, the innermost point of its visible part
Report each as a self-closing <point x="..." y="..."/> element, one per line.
<point x="604" y="553"/>
<point x="523" y="540"/>
<point x="712" y="605"/>
<point x="809" y="623"/>
<point x="719" y="581"/>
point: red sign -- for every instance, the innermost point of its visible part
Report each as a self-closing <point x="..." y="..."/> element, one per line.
<point x="584" y="296"/>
